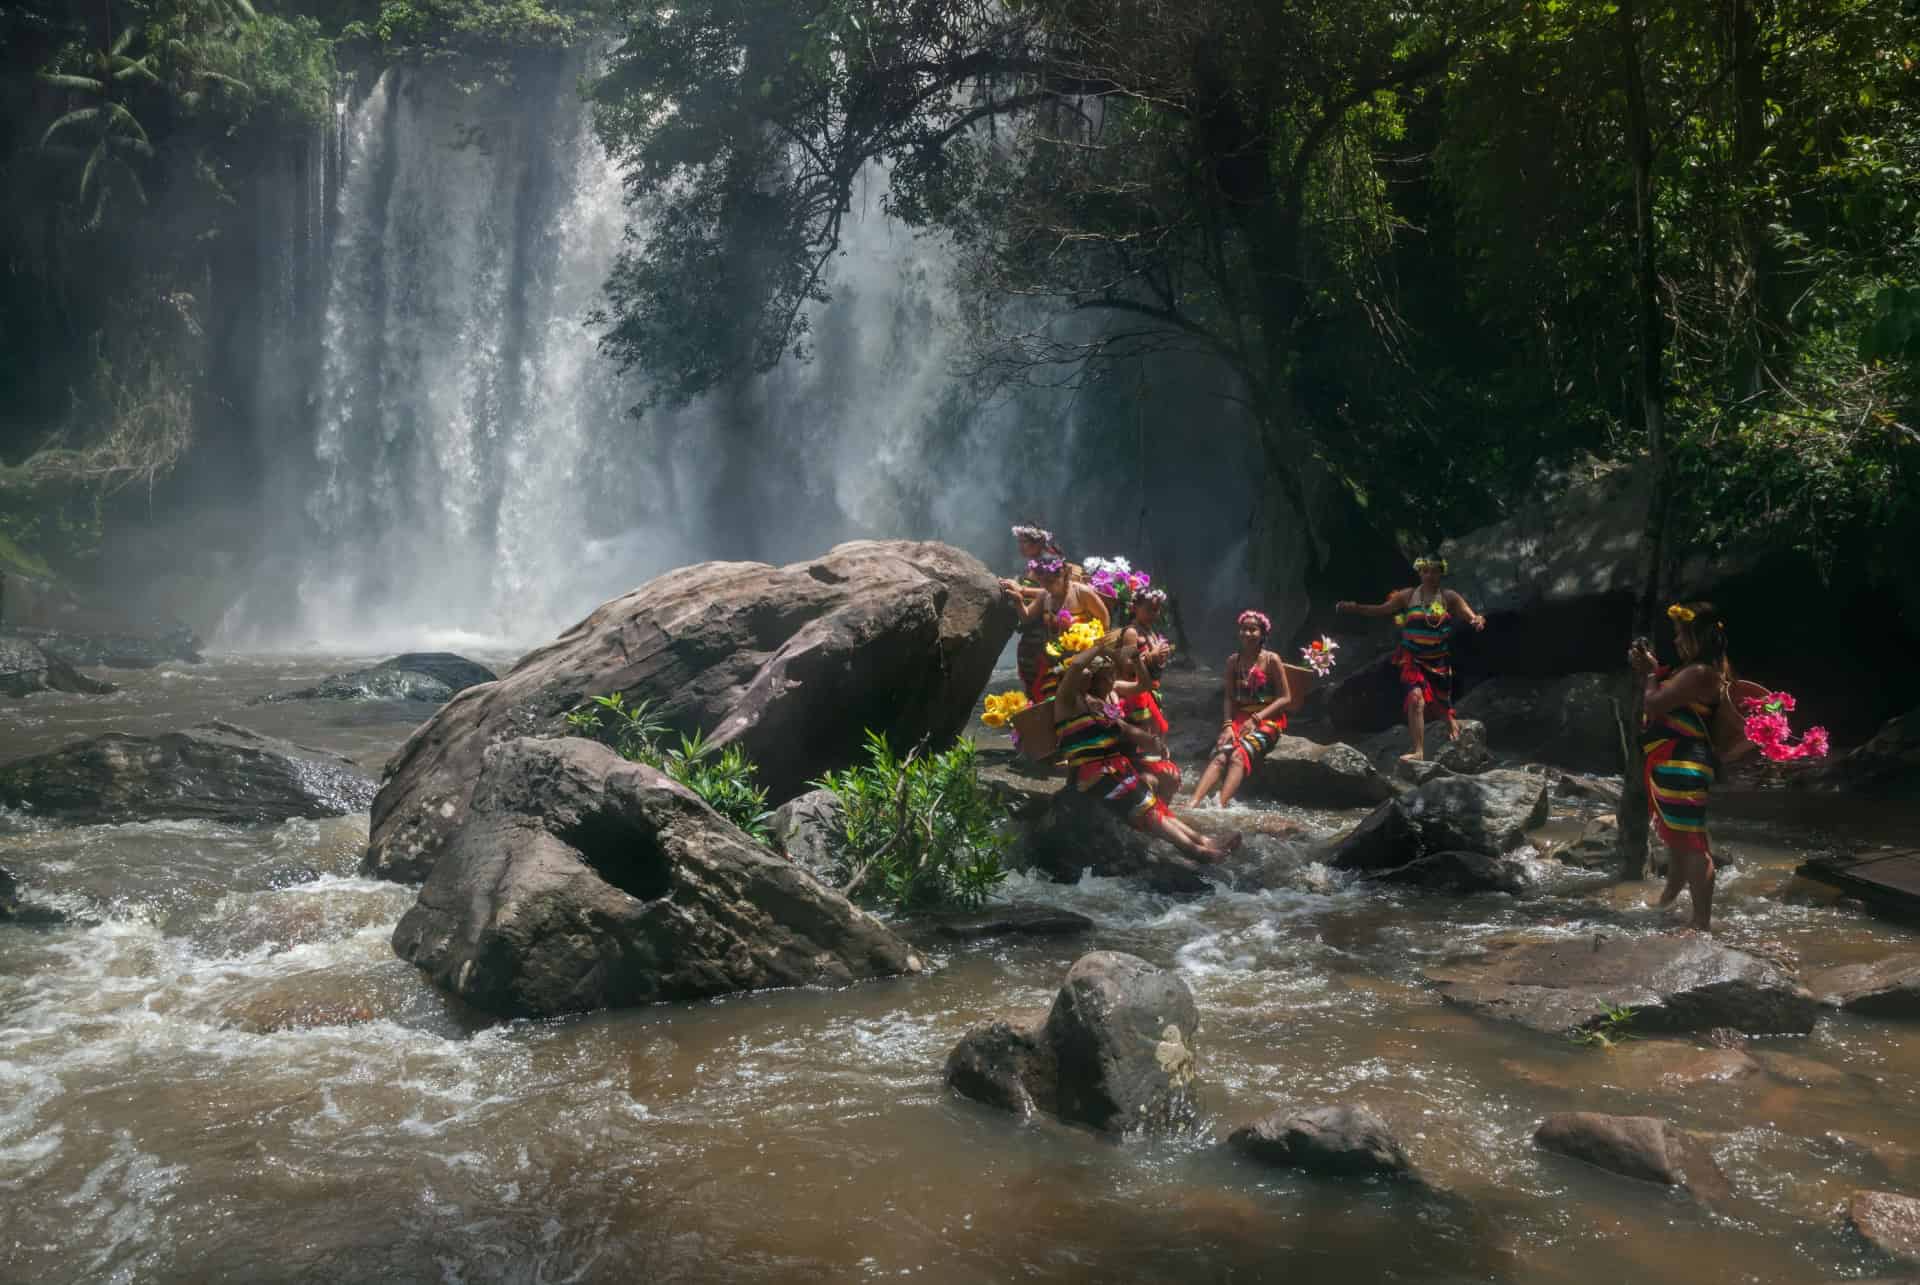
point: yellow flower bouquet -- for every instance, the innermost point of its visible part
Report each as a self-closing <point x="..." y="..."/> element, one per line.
<point x="1001" y="708"/>
<point x="1076" y="638"/>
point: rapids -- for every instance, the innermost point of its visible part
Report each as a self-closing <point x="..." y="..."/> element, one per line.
<point x="217" y="1070"/>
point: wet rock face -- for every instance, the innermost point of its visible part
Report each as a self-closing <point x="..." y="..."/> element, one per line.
<point x="1115" y="1052"/>
<point x="1889" y="1222"/>
<point x="1466" y="753"/>
<point x="416" y="676"/>
<point x="1462" y="872"/>
<point x="1340" y="1140"/>
<point x="579" y="880"/>
<point x="1076" y="833"/>
<point x="1885" y="988"/>
<point x="1568" y="721"/>
<point x="1672" y="984"/>
<point x="1886" y="766"/>
<point x="793" y="664"/>
<point x="807" y="832"/>
<point x="213" y="772"/>
<point x="26" y="668"/>
<point x="1309" y="774"/>
<point x="1011" y="919"/>
<point x="1488" y="814"/>
<point x="1637" y="1146"/>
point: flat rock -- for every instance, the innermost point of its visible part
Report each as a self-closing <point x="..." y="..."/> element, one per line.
<point x="793" y="664"/>
<point x="1461" y="872"/>
<point x="1674" y="983"/>
<point x="1489" y="813"/>
<point x="1596" y="847"/>
<point x="1011" y="919"/>
<point x="1115" y="1052"/>
<point x="579" y="880"/>
<point x="1890" y="1223"/>
<point x="1637" y="1146"/>
<point x="415" y="676"/>
<point x="26" y="668"/>
<point x="1340" y="1140"/>
<point x="213" y="772"/>
<point x="1307" y="773"/>
<point x="1885" y="988"/>
<point x="1466" y="754"/>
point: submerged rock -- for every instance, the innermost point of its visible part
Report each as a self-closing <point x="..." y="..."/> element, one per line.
<point x="120" y="650"/>
<point x="9" y="894"/>
<point x="1673" y="983"/>
<point x="26" y="668"/>
<point x="1340" y="1140"/>
<point x="579" y="880"/>
<point x="793" y="664"/>
<point x="1890" y="1223"/>
<point x="1488" y="814"/>
<point x="213" y="772"/>
<point x="1115" y="1052"/>
<point x="1885" y="988"/>
<point x="1307" y="773"/>
<point x="1637" y="1146"/>
<point x="1011" y="919"/>
<point x="416" y="676"/>
<point x="1461" y="872"/>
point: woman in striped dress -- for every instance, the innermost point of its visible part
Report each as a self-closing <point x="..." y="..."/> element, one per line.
<point x="1058" y="602"/>
<point x="1677" y="738"/>
<point x="1143" y="657"/>
<point x="1254" y="711"/>
<point x="1097" y="748"/>
<point x="1426" y="616"/>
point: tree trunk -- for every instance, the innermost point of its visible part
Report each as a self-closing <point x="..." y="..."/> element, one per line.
<point x="1754" y="312"/>
<point x="1651" y="333"/>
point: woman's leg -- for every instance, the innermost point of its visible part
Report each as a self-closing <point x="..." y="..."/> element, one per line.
<point x="1216" y="767"/>
<point x="1700" y="873"/>
<point x="1417" y="724"/>
<point x="1236" y="773"/>
<point x="1184" y="837"/>
<point x="1676" y="877"/>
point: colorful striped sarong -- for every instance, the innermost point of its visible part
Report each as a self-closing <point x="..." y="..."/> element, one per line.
<point x="1426" y="656"/>
<point x="1680" y="770"/>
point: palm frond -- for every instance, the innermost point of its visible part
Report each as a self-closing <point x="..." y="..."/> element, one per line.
<point x="98" y="154"/>
<point x="122" y="116"/>
<point x="76" y="117"/>
<point x="125" y="38"/>
<point x="80" y="84"/>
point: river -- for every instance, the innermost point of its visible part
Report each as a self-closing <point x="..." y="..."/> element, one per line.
<point x="218" y="1070"/>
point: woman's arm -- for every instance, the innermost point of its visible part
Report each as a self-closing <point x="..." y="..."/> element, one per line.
<point x="1271" y="663"/>
<point x="1226" y="689"/>
<point x="1693" y="683"/>
<point x="1459" y="604"/>
<point x="1094" y="605"/>
<point x="1396" y="601"/>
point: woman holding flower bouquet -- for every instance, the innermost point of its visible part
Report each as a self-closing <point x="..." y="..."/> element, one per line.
<point x="1059" y="603"/>
<point x="1098" y="749"/>
<point x="1678" y="721"/>
<point x="1426" y="616"/>
<point x="1257" y="695"/>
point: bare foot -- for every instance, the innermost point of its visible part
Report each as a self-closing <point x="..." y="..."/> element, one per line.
<point x="1666" y="898"/>
<point x="1453" y="730"/>
<point x="1412" y="756"/>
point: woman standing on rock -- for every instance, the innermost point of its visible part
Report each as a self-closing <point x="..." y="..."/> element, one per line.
<point x="1257" y="695"/>
<point x="1057" y="601"/>
<point x="1143" y="657"/>
<point x="1094" y="748"/>
<point x="1030" y="654"/>
<point x="1678" y="741"/>
<point x="1426" y="616"/>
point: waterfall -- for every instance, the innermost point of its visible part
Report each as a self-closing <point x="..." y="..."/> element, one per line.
<point x="459" y="464"/>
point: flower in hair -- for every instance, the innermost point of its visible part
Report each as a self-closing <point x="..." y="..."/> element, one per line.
<point x="1039" y="535"/>
<point x="1258" y="618"/>
<point x="1681" y="613"/>
<point x="1046" y="566"/>
<point x="1153" y="595"/>
<point x="1438" y="564"/>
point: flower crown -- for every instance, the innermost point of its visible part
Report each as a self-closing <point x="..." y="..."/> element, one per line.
<point x="1438" y="564"/>
<point x="1258" y="618"/>
<point x="1155" y="595"/>
<point x="1039" y="535"/>
<point x="1046" y="566"/>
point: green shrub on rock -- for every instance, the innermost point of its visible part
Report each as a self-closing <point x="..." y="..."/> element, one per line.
<point x="920" y="831"/>
<point x="723" y="779"/>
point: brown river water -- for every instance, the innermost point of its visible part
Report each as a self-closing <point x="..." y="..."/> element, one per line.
<point x="220" y="1072"/>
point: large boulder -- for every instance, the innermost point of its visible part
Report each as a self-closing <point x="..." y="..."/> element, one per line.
<point x="1885" y="988"/>
<point x="1115" y="1052"/>
<point x="578" y="880"/>
<point x="1886" y="766"/>
<point x="1488" y="814"/>
<point x="1672" y="983"/>
<point x="1567" y="721"/>
<point x="793" y="664"/>
<point x="1466" y="753"/>
<point x="1321" y="776"/>
<point x="26" y="668"/>
<point x="1076" y="834"/>
<point x="1637" y="1146"/>
<point x="213" y="772"/>
<point x="1341" y="1140"/>
<point x="807" y="831"/>
<point x="415" y="676"/>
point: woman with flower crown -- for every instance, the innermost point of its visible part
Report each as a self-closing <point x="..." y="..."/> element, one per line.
<point x="1426" y="616"/>
<point x="1058" y="603"/>
<point x="1098" y="748"/>
<point x="1143" y="657"/>
<point x="1678" y="717"/>
<point x="1030" y="652"/>
<point x="1257" y="695"/>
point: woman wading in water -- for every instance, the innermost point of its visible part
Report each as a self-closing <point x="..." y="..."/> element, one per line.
<point x="1094" y="748"/>
<point x="1426" y="616"/>
<point x="1257" y="695"/>
<point x="1057" y="602"/>
<point x="1677" y="738"/>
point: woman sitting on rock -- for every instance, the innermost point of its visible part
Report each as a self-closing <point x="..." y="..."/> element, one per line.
<point x="1094" y="748"/>
<point x="1030" y="654"/>
<point x="1257" y="695"/>
<point x="1426" y="616"/>
<point x="1057" y="602"/>
<point x="1678" y="740"/>
<point x="1143" y="657"/>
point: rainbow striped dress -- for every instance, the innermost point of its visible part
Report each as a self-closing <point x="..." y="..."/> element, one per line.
<point x="1681" y="766"/>
<point x="1426" y="654"/>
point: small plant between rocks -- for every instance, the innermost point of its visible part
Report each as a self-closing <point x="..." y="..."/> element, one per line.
<point x="921" y="831"/>
<point x="1610" y="1030"/>
<point x="723" y="779"/>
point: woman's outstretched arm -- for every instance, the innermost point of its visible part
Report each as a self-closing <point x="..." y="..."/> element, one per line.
<point x="1396" y="601"/>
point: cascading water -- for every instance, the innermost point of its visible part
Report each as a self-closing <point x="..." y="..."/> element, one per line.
<point x="462" y="466"/>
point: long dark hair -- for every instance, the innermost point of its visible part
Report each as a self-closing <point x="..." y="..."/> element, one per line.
<point x="1708" y="633"/>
